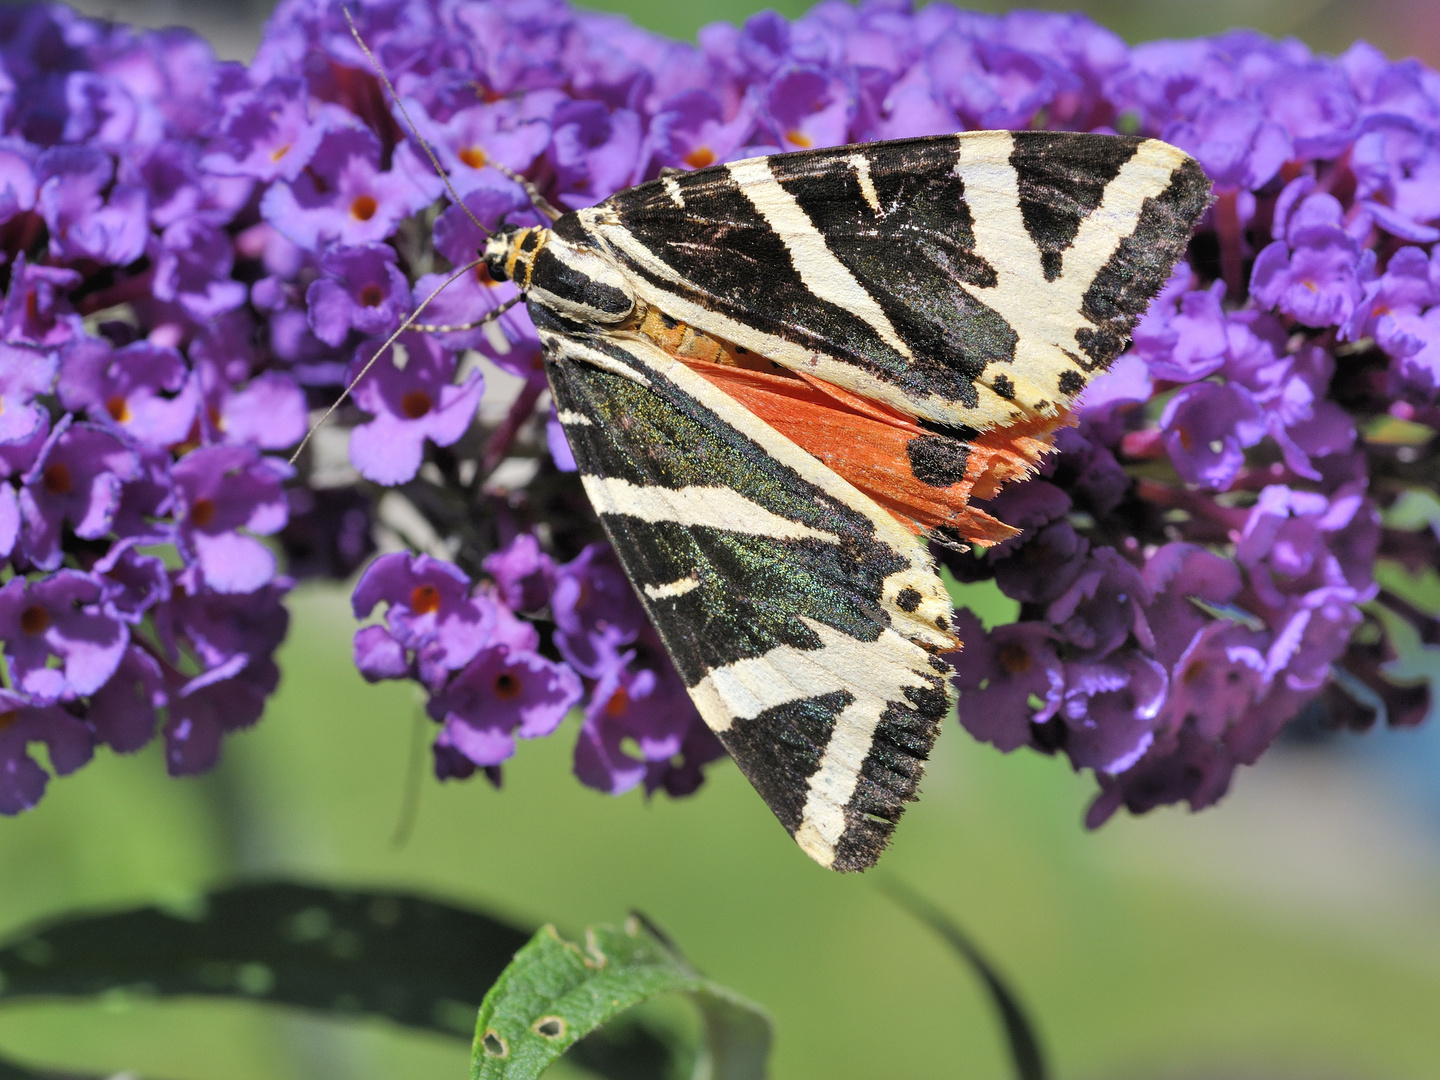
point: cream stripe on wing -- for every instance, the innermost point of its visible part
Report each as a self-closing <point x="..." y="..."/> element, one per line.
<point x="832" y="786"/>
<point x="1145" y="176"/>
<point x="820" y="271"/>
<point x="695" y="508"/>
<point x="743" y="690"/>
<point x="672" y="589"/>
<point x="874" y="673"/>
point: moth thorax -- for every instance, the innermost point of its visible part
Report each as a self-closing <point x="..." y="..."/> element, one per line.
<point x="573" y="280"/>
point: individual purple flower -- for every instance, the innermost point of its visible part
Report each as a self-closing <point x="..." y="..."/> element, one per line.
<point x="88" y="218"/>
<point x="193" y="262"/>
<point x="807" y="107"/>
<point x="1316" y="105"/>
<point x="266" y="134"/>
<point x="268" y="412"/>
<point x="67" y="741"/>
<point x="37" y="307"/>
<point x="1103" y="608"/>
<point x="991" y="84"/>
<point x="202" y="710"/>
<point x="1207" y="428"/>
<point x="143" y="390"/>
<point x="77" y="478"/>
<point x="59" y="617"/>
<point x="225" y="631"/>
<point x="1397" y="167"/>
<point x="594" y="150"/>
<point x="1109" y="710"/>
<point x="360" y="288"/>
<point x="1187" y="343"/>
<point x="596" y="611"/>
<point x="691" y="129"/>
<point x="378" y="656"/>
<point x="18" y="183"/>
<point x="1236" y="141"/>
<point x="25" y="374"/>
<point x="133" y="582"/>
<point x="501" y="694"/>
<point x="223" y="490"/>
<point x="1314" y="276"/>
<point x="343" y="196"/>
<point x="649" y="710"/>
<point x="999" y="673"/>
<point x="524" y="575"/>
<point x="410" y="404"/>
<point x="513" y="132"/>
<point x="124" y="711"/>
<point x="1415" y="373"/>
<point x="433" y="612"/>
<point x="1195" y="771"/>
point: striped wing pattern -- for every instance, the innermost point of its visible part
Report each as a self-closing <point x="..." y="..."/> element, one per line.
<point x="791" y="604"/>
<point x="973" y="280"/>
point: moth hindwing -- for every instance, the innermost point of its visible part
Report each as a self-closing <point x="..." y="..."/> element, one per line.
<point x="779" y="375"/>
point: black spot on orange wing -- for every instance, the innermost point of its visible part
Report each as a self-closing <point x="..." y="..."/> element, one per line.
<point x="937" y="460"/>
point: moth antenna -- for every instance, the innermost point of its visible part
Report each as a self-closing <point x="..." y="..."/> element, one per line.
<point x="489" y="316"/>
<point x="408" y="324"/>
<point x="439" y="169"/>
<point x="531" y="191"/>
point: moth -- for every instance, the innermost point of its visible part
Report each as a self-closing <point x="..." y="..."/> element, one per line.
<point x="781" y="377"/>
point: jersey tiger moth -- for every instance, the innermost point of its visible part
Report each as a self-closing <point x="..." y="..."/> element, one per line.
<point x="781" y="376"/>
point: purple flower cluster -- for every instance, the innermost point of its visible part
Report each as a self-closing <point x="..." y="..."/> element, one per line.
<point x="141" y="590"/>
<point x="197" y="253"/>
<point x="1199" y="558"/>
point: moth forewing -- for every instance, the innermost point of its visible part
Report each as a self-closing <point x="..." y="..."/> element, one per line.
<point x="974" y="280"/>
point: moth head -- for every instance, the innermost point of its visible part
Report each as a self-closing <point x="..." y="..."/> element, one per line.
<point x="497" y="249"/>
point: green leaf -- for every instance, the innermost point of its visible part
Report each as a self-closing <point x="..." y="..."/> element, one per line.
<point x="1415" y="509"/>
<point x="1415" y="662"/>
<point x="419" y="963"/>
<point x="1025" y="1052"/>
<point x="556" y="991"/>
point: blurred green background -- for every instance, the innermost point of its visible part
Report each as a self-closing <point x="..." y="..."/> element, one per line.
<point x="1294" y="931"/>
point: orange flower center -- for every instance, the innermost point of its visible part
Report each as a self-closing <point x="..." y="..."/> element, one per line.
<point x="56" y="478"/>
<point x="203" y="512"/>
<point x="424" y="599"/>
<point x="474" y="157"/>
<point x="119" y="409"/>
<point x="1015" y="659"/>
<point x="799" y="138"/>
<point x="279" y="152"/>
<point x="364" y="207"/>
<point x="700" y="157"/>
<point x="416" y="404"/>
<point x="34" y="619"/>
<point x="618" y="703"/>
<point x="8" y="718"/>
<point x="371" y="295"/>
<point x="506" y="686"/>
